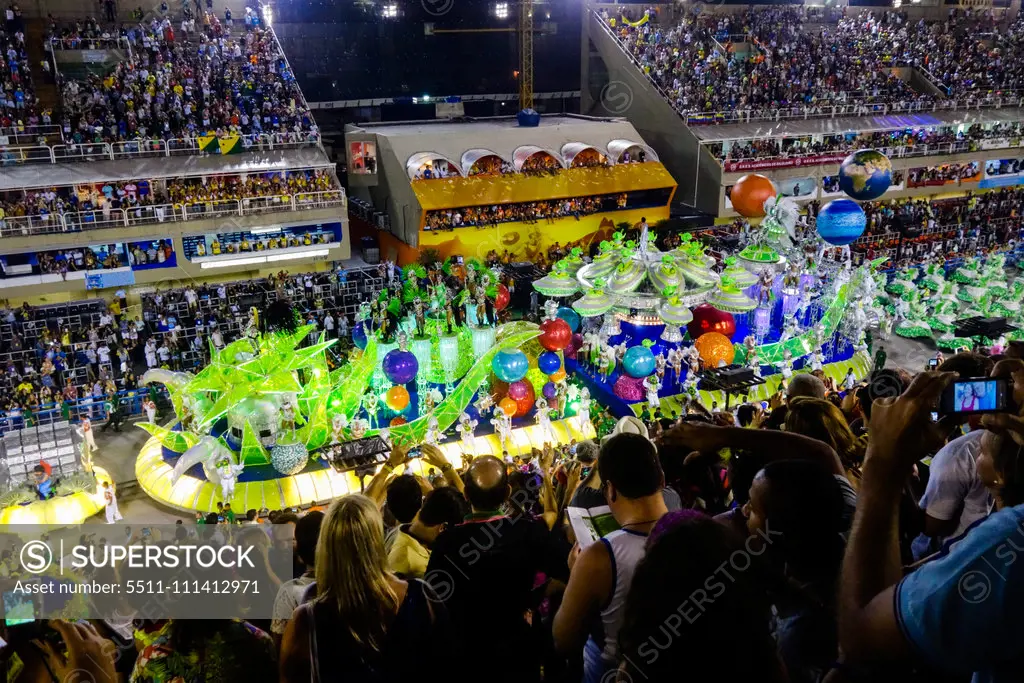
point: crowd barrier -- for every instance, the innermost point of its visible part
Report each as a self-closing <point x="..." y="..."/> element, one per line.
<point x="92" y="407"/>
<point x="898" y="152"/>
<point x="14" y="226"/>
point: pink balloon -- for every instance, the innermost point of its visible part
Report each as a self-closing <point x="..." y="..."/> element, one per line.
<point x="629" y="388"/>
<point x="574" y="346"/>
<point x="518" y="390"/>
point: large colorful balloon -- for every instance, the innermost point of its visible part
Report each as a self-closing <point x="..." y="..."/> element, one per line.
<point x="501" y="298"/>
<point x="510" y="365"/>
<point x="397" y="398"/>
<point x="558" y="375"/>
<point x="574" y="346"/>
<point x="638" y="361"/>
<point x="555" y="334"/>
<point x="865" y="175"/>
<point x="548" y="362"/>
<point x="707" y="318"/>
<point x="400" y="366"/>
<point x="525" y="404"/>
<point x="508" y="406"/>
<point x="518" y="390"/>
<point x="397" y="421"/>
<point x="570" y="316"/>
<point x="359" y="336"/>
<point x="750" y="193"/>
<point x="841" y="221"/>
<point x="550" y="390"/>
<point x="715" y="349"/>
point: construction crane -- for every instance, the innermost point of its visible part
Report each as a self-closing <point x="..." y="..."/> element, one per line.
<point x="526" y="55"/>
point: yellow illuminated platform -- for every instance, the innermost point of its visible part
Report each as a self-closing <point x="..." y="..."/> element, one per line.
<point x="311" y="488"/>
<point x="62" y="510"/>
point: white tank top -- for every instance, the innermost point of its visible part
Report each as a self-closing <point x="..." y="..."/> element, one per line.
<point x="626" y="548"/>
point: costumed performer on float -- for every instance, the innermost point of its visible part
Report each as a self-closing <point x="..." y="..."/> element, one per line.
<point x="652" y="386"/>
<point x="466" y="429"/>
<point x="583" y="412"/>
<point x="544" y="420"/>
<point x="110" y="504"/>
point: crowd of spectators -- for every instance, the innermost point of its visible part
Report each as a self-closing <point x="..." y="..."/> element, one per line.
<point x="202" y="81"/>
<point x="816" y="529"/>
<point x="947" y="173"/>
<point x="18" y="101"/>
<point x="236" y="187"/>
<point x="898" y="142"/>
<point x="791" y="65"/>
<point x="526" y="212"/>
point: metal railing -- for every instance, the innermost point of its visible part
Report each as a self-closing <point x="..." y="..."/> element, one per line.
<point x="89" y="43"/>
<point x="77" y="221"/>
<point x="134" y="149"/>
<point x="900" y="152"/>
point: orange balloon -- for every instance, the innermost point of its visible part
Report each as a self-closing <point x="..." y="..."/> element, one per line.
<point x="397" y="398"/>
<point x="508" y="406"/>
<point x="749" y="194"/>
<point x="715" y="349"/>
<point x="558" y="375"/>
<point x="397" y="421"/>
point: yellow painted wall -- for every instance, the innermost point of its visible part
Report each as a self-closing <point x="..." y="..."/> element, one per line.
<point x="449" y="193"/>
<point x="525" y="241"/>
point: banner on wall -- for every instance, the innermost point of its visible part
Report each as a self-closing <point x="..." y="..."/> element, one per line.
<point x="230" y="144"/>
<point x="758" y="164"/>
<point x="208" y="144"/>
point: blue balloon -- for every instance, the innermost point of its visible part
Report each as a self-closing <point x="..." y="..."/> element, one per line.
<point x="510" y="365"/>
<point x="841" y="221"/>
<point x="359" y="336"/>
<point x="638" y="361"/>
<point x="549" y="362"/>
<point x="570" y="316"/>
<point x="400" y="366"/>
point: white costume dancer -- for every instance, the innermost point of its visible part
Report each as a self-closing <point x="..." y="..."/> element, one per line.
<point x="466" y="428"/>
<point x="110" y="503"/>
<point x="86" y="432"/>
<point x="150" y="410"/>
<point x="817" y="359"/>
<point x="786" y="365"/>
<point x="653" y="386"/>
<point x="583" y="412"/>
<point x="359" y="427"/>
<point x="433" y="435"/>
<point x="502" y="426"/>
<point x="228" y="474"/>
<point x="339" y="423"/>
<point x="544" y="420"/>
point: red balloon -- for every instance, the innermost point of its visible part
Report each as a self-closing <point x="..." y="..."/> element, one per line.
<point x="525" y="404"/>
<point x="750" y="193"/>
<point x="396" y="421"/>
<point x="555" y="334"/>
<point x="502" y="298"/>
<point x="707" y="318"/>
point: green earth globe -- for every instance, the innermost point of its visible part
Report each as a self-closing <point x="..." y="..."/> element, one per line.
<point x="866" y="174"/>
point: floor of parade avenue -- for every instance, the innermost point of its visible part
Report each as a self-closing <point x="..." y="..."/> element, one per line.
<point x="118" y="450"/>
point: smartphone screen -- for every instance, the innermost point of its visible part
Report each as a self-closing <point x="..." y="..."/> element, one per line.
<point x="980" y="395"/>
<point x="933" y="363"/>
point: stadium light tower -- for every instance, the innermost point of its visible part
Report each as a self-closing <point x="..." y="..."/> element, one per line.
<point x="526" y="55"/>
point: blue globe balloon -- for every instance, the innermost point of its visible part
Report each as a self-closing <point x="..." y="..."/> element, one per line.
<point x="549" y="362"/>
<point x="359" y="336"/>
<point x="865" y="175"/>
<point x="570" y="316"/>
<point x="841" y="221"/>
<point x="510" y="365"/>
<point x="638" y="361"/>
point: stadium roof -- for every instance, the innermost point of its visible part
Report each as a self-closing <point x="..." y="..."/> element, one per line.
<point x="500" y="135"/>
<point x="852" y="124"/>
<point x="84" y="173"/>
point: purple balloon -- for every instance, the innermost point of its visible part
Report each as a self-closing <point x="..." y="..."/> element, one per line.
<point x="518" y="390"/>
<point x="400" y="366"/>
<point x="550" y="391"/>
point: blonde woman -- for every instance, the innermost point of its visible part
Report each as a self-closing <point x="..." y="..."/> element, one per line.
<point x="821" y="420"/>
<point x="364" y="623"/>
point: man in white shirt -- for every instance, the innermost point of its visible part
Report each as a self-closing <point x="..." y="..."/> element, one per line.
<point x="955" y="497"/>
<point x="329" y="325"/>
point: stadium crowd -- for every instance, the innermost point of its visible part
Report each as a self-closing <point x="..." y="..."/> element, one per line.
<point x="18" y="101"/>
<point x="790" y="65"/>
<point x="827" y="530"/>
<point x="202" y="82"/>
<point x="527" y="212"/>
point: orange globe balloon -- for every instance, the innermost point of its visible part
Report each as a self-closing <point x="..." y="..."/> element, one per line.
<point x="749" y="194"/>
<point x="558" y="375"/>
<point x="397" y="421"/>
<point x="715" y="349"/>
<point x="397" y="398"/>
<point x="508" y="406"/>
